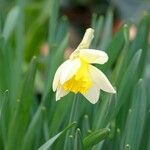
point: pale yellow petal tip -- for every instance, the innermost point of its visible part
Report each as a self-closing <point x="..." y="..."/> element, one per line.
<point x="57" y="97"/>
<point x="113" y="91"/>
<point x="87" y="39"/>
<point x="94" y="102"/>
<point x="90" y="31"/>
<point x="107" y="57"/>
<point x="53" y="87"/>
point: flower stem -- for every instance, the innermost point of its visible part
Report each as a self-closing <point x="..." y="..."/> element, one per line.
<point x="73" y="116"/>
<point x="73" y="113"/>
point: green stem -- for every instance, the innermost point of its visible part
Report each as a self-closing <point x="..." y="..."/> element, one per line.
<point x="73" y="116"/>
<point x="73" y="113"/>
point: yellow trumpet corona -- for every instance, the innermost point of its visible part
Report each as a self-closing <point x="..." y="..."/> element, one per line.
<point x="78" y="75"/>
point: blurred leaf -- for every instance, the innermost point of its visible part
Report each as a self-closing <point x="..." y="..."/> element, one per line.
<point x="11" y="22"/>
<point x="54" y="7"/>
<point x="5" y="68"/>
<point x="50" y="142"/>
<point x="86" y="125"/>
<point x="62" y="107"/>
<point x="62" y="29"/>
<point x="3" y="116"/>
<point x="126" y="33"/>
<point x="72" y="117"/>
<point x="136" y="118"/>
<point x="128" y="80"/>
<point x="107" y="31"/>
<point x="119" y="70"/>
<point x="97" y="31"/>
<point x="51" y="67"/>
<point x="94" y="20"/>
<point x="141" y="42"/>
<point x="30" y="133"/>
<point x="95" y="137"/>
<point x="148" y="147"/>
<point x="115" y="47"/>
<point x="16" y="65"/>
<point x="21" y="117"/>
<point x="103" y="110"/>
<point x="49" y="11"/>
<point x="78" y="145"/>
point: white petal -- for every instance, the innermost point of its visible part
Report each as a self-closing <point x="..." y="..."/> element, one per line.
<point x="87" y="39"/>
<point x="58" y="73"/>
<point x="60" y="93"/>
<point x="94" y="56"/>
<point x="93" y="94"/>
<point x="101" y="80"/>
<point x="69" y="69"/>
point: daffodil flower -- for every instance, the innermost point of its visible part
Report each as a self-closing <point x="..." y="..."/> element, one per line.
<point x="78" y="75"/>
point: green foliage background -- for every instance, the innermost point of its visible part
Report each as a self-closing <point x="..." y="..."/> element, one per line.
<point x="116" y="122"/>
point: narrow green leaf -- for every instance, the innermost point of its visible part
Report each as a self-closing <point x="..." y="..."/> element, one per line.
<point x="70" y="142"/>
<point x="96" y="137"/>
<point x="16" y="74"/>
<point x="86" y="126"/>
<point x="129" y="75"/>
<point x="21" y="118"/>
<point x="30" y="133"/>
<point x="50" y="142"/>
<point x="148" y="147"/>
<point x="62" y="29"/>
<point x="107" y="34"/>
<point x="78" y="145"/>
<point x="11" y="22"/>
<point x="97" y="31"/>
<point x="4" y="115"/>
<point x="103" y="110"/>
<point x="127" y="147"/>
<point x="49" y="10"/>
<point x="141" y="39"/>
<point x="73" y="117"/>
<point x="136" y="118"/>
<point x="126" y="33"/>
<point x="115" y="47"/>
<point x="54" y="7"/>
<point x="51" y="67"/>
<point x="5" y="64"/>
<point x="94" y="20"/>
<point x="62" y="107"/>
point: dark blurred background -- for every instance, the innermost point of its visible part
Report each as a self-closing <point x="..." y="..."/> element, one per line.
<point x="80" y="12"/>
